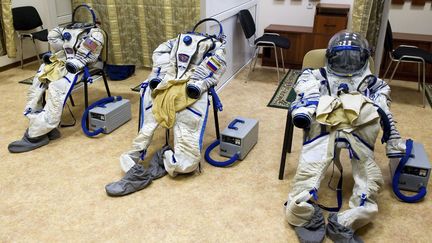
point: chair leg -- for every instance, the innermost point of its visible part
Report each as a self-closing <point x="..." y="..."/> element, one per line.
<point x="388" y="67"/>
<point x="394" y="71"/>
<point x="283" y="62"/>
<point x="418" y="76"/>
<point x="37" y="53"/>
<point x="424" y="84"/>
<point x="71" y="100"/>
<point x="140" y="113"/>
<point x="252" y="60"/>
<point x="255" y="59"/>
<point x="106" y="83"/>
<point x="277" y="62"/>
<point x="22" y="52"/>
<point x="86" y="101"/>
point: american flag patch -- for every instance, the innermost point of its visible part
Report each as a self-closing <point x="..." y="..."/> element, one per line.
<point x="91" y="45"/>
<point x="213" y="64"/>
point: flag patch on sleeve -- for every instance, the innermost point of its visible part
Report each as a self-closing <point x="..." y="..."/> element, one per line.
<point x="91" y="45"/>
<point x="213" y="64"/>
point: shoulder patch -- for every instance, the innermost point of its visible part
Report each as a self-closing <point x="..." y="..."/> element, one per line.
<point x="213" y="64"/>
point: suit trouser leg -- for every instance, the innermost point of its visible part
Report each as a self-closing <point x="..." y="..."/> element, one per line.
<point x="42" y="122"/>
<point x="316" y="156"/>
<point x="188" y="138"/>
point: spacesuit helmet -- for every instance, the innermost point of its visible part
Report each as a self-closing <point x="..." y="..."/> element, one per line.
<point x="84" y="23"/>
<point x="347" y="54"/>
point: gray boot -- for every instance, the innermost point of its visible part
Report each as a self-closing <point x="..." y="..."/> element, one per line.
<point x="54" y="134"/>
<point x="137" y="178"/>
<point x="27" y="143"/>
<point x="157" y="168"/>
<point x="314" y="231"/>
<point x="339" y="233"/>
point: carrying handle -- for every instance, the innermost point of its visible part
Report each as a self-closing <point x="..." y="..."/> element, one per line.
<point x="233" y="123"/>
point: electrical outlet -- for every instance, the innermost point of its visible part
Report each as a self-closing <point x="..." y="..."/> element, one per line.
<point x="310" y="5"/>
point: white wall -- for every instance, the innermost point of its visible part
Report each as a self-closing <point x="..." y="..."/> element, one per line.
<point x="237" y="48"/>
<point x="47" y="11"/>
<point x="290" y="12"/>
<point x="379" y="52"/>
<point x="213" y="7"/>
<point x="63" y="11"/>
<point x="411" y="19"/>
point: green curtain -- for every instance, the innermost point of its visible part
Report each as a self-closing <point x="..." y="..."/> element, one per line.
<point x="366" y="19"/>
<point x="136" y="27"/>
<point x="7" y="38"/>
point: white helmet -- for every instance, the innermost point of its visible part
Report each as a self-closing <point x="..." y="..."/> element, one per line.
<point x="347" y="54"/>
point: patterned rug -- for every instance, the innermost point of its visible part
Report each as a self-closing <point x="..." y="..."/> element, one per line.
<point x="429" y="93"/>
<point x="284" y="95"/>
<point x="28" y="81"/>
<point x="136" y="88"/>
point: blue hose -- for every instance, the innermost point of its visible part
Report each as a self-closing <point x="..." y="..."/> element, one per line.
<point x="213" y="162"/>
<point x="216" y="99"/>
<point x="100" y="102"/>
<point x="395" y="183"/>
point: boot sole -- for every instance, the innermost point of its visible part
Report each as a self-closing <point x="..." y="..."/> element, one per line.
<point x="27" y="149"/>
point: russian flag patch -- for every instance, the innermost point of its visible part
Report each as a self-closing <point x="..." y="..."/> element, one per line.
<point x="213" y="64"/>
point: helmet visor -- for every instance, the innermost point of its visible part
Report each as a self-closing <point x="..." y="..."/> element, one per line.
<point x="346" y="60"/>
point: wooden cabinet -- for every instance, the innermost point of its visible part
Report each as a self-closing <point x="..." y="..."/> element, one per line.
<point x="408" y="71"/>
<point x="301" y="39"/>
<point x="328" y="20"/>
<point x="329" y="24"/>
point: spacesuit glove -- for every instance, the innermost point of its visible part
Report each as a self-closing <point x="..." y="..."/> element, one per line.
<point x="302" y="117"/>
<point x="46" y="58"/>
<point x="195" y="88"/>
<point x="206" y="75"/>
<point x="193" y="91"/>
<point x="156" y="76"/>
<point x="74" y="65"/>
<point x="154" y="82"/>
<point x="396" y="148"/>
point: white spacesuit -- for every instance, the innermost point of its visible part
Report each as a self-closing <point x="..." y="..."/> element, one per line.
<point x="73" y="47"/>
<point x="339" y="106"/>
<point x="175" y="95"/>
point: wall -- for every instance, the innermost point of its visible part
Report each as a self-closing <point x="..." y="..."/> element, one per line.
<point x="290" y="12"/>
<point x="237" y="47"/>
<point x="214" y="7"/>
<point x="63" y="10"/>
<point x="411" y="19"/>
<point x="404" y="18"/>
<point x="379" y="52"/>
<point x="42" y="7"/>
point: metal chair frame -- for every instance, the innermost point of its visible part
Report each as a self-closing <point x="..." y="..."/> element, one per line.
<point x="420" y="61"/>
<point x="258" y="47"/>
<point x="21" y="36"/>
<point x="27" y="32"/>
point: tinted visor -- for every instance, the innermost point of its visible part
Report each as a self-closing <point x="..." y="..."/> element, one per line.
<point x="346" y="60"/>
